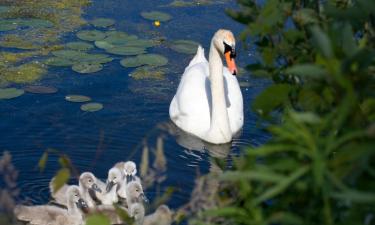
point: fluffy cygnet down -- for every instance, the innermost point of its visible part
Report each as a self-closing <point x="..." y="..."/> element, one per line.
<point x="54" y="215"/>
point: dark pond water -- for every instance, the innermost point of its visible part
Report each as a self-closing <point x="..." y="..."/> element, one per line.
<point x="133" y="109"/>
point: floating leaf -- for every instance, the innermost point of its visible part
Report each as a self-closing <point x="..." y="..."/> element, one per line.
<point x="58" y="61"/>
<point x="104" y="44"/>
<point x="69" y="54"/>
<point x="8" y="93"/>
<point x="185" y="46"/>
<point x="6" y="25"/>
<point x="77" y="98"/>
<point x="24" y="73"/>
<point x="118" y="37"/>
<point x="96" y="58"/>
<point x="60" y="179"/>
<point x="126" y="50"/>
<point x="310" y="70"/>
<point x="91" y="107"/>
<point x="35" y="23"/>
<point x="91" y="35"/>
<point x="102" y="22"/>
<point x="147" y="59"/>
<point x="87" y="67"/>
<point x="156" y="15"/>
<point x="140" y="43"/>
<point x="79" y="45"/>
<point x="36" y="89"/>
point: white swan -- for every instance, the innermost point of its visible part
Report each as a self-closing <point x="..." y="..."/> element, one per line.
<point x="208" y="102"/>
<point x="53" y="215"/>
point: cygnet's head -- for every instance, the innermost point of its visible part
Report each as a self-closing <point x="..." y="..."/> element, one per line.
<point x="114" y="177"/>
<point x="164" y="214"/>
<point x="137" y="211"/>
<point x="130" y="170"/>
<point x="74" y="197"/>
<point x="88" y="181"/>
<point x="225" y="43"/>
<point x="135" y="192"/>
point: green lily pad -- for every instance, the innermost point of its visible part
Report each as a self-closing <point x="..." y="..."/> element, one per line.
<point x="156" y="15"/>
<point x="8" y="93"/>
<point x="185" y="46"/>
<point x="69" y="54"/>
<point x="4" y="9"/>
<point x="102" y="22"/>
<point x="126" y="50"/>
<point x="91" y="35"/>
<point x="37" y="89"/>
<point x="58" y="61"/>
<point x="35" y="23"/>
<point x="104" y="44"/>
<point x="119" y="37"/>
<point x="24" y="73"/>
<point x="91" y="107"/>
<point x="6" y="25"/>
<point x="147" y="59"/>
<point x="96" y="58"/>
<point x="79" y="45"/>
<point x="87" y="67"/>
<point x="77" y="98"/>
<point x="141" y="43"/>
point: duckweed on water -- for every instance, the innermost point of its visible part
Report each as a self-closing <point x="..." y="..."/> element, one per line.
<point x="16" y="41"/>
<point x="77" y="98"/>
<point x="147" y="59"/>
<point x="37" y="89"/>
<point x="156" y="15"/>
<point x="91" y="35"/>
<point x="79" y="45"/>
<point x="24" y="73"/>
<point x="102" y="22"/>
<point x="148" y="72"/>
<point x="91" y="107"/>
<point x="87" y="67"/>
<point x="9" y="93"/>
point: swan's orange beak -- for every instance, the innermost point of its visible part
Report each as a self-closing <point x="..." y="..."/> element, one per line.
<point x="231" y="63"/>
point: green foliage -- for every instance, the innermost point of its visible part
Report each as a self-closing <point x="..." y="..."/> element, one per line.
<point x="318" y="166"/>
<point x="98" y="219"/>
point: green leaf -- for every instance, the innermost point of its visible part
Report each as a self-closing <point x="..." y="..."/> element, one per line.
<point x="227" y="211"/>
<point x="272" y="97"/>
<point x="251" y="175"/>
<point x="348" y="43"/>
<point x="123" y="215"/>
<point x="355" y="196"/>
<point x="321" y="42"/>
<point x="281" y="186"/>
<point x="306" y="16"/>
<point x="309" y="70"/>
<point x="98" y="219"/>
<point x="60" y="179"/>
<point x="42" y="161"/>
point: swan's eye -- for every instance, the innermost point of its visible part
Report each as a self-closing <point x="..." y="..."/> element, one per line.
<point x="228" y="48"/>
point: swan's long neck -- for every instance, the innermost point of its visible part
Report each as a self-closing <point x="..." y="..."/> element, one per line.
<point x="219" y="127"/>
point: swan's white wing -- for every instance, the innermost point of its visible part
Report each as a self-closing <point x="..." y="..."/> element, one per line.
<point x="234" y="101"/>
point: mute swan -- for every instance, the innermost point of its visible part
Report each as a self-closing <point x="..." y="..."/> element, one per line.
<point x="87" y="183"/>
<point x="208" y="102"/>
<point x="53" y="215"/>
<point x="110" y="195"/>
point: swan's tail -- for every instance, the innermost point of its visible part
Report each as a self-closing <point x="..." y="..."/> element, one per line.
<point x="199" y="57"/>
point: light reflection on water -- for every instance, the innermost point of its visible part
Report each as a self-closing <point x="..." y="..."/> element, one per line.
<point x="132" y="109"/>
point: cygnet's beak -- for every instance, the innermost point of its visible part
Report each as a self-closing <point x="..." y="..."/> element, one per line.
<point x="129" y="178"/>
<point x="81" y="204"/>
<point x="143" y="196"/>
<point x="110" y="186"/>
<point x="96" y="188"/>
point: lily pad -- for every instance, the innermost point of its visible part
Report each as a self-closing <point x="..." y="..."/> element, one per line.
<point x="6" y="25"/>
<point x="185" y="46"/>
<point x="156" y="15"/>
<point x="77" y="98"/>
<point x="141" y="43"/>
<point x="91" y="107"/>
<point x="25" y="73"/>
<point x="69" y="54"/>
<point x="87" y="67"/>
<point x="80" y="46"/>
<point x="126" y="50"/>
<point x="102" y="22"/>
<point x="35" y="23"/>
<point x="147" y="59"/>
<point x="91" y="35"/>
<point x="96" y="58"/>
<point x="119" y="37"/>
<point x="104" y="44"/>
<point x="59" y="61"/>
<point x="9" y="93"/>
<point x="37" y="89"/>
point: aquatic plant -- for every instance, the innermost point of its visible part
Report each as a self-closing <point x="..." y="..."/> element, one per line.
<point x="24" y="73"/>
<point x="156" y="15"/>
<point x="92" y="107"/>
<point x="9" y="93"/>
<point x="317" y="167"/>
